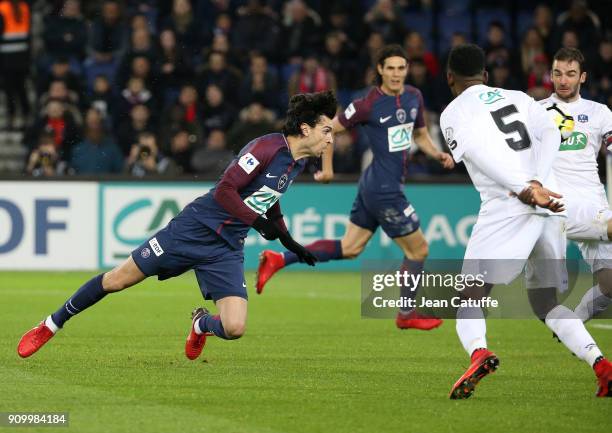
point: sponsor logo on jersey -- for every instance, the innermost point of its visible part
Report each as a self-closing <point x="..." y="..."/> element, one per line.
<point x="156" y="247"/>
<point x="413" y="113"/>
<point x="576" y="141"/>
<point x="448" y="135"/>
<point x="350" y="111"/>
<point x="384" y="119"/>
<point x="400" y="137"/>
<point x="409" y="210"/>
<point x="283" y="181"/>
<point x="400" y="114"/>
<point x="491" y="96"/>
<point x="145" y="253"/>
<point x="248" y="162"/>
<point x="262" y="199"/>
<point x="269" y="176"/>
<point x="583" y="118"/>
<point x="606" y="140"/>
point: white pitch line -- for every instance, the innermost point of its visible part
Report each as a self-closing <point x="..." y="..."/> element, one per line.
<point x="601" y="326"/>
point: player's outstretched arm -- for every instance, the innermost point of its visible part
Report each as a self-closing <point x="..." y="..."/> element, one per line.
<point x="425" y="143"/>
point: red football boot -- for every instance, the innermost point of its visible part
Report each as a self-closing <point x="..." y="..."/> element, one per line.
<point x="269" y="263"/>
<point x="195" y="342"/>
<point x="414" y="320"/>
<point x="34" y="339"/>
<point x="603" y="370"/>
<point x="483" y="362"/>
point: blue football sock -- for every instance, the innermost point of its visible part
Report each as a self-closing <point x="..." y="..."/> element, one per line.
<point x="210" y="323"/>
<point x="324" y="249"/>
<point x="89" y="293"/>
<point x="407" y="291"/>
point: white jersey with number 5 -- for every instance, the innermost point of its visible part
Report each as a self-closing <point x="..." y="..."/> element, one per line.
<point x="498" y="134"/>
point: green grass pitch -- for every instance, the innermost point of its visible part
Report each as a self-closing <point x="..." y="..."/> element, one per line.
<point x="308" y="363"/>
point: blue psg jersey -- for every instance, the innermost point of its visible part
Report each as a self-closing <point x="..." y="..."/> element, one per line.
<point x="251" y="186"/>
<point x="389" y="122"/>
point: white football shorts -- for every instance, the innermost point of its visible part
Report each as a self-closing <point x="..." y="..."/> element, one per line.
<point x="499" y="250"/>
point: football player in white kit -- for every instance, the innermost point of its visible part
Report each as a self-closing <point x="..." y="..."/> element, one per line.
<point x="589" y="218"/>
<point x="508" y="143"/>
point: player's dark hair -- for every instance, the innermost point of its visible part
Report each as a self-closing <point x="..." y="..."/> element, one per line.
<point x="570" y="55"/>
<point x="307" y="108"/>
<point x="466" y="60"/>
<point x="393" y="50"/>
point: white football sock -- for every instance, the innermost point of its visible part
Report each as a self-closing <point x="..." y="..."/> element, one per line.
<point x="592" y="303"/>
<point x="572" y="333"/>
<point x="51" y="325"/>
<point x="471" y="328"/>
<point x="196" y="327"/>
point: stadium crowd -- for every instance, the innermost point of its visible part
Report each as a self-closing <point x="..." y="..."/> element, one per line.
<point x="169" y="87"/>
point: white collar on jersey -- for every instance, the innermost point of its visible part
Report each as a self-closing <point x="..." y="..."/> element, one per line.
<point x="555" y="98"/>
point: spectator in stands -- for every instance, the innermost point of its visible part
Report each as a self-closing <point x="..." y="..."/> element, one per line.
<point x="141" y="44"/>
<point x="182" y="145"/>
<point x="213" y="158"/>
<point x="44" y="161"/>
<point x="97" y="153"/>
<point x="255" y="29"/>
<point x="583" y="22"/>
<point x="385" y="17"/>
<point x="219" y="73"/>
<point x="109" y="33"/>
<point x="368" y="54"/>
<point x="184" y="114"/>
<point x="65" y="34"/>
<point x="495" y="47"/>
<point x="352" y="31"/>
<point x="414" y="45"/>
<point x="254" y="121"/>
<point x="217" y="112"/>
<point x="59" y="91"/>
<point x="569" y="39"/>
<point x="173" y="64"/>
<point x="189" y="33"/>
<point x="544" y="24"/>
<point x="531" y="46"/>
<point x="129" y="130"/>
<point x="260" y="83"/>
<point x="59" y="70"/>
<point x="145" y="159"/>
<point x="300" y="31"/>
<point x="221" y="43"/>
<point x="134" y="94"/>
<point x="500" y="75"/>
<point x="15" y="33"/>
<point x="339" y="60"/>
<point x="539" y="84"/>
<point x="601" y="80"/>
<point x="419" y="76"/>
<point x="60" y="124"/>
<point x="102" y="98"/>
<point x="311" y="77"/>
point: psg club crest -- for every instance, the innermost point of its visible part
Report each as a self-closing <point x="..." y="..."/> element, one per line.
<point x="413" y="113"/>
<point x="145" y="253"/>
<point x="400" y="114"/>
<point x="282" y="181"/>
<point x="583" y="118"/>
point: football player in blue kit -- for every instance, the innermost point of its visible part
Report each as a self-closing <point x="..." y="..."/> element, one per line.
<point x="208" y="234"/>
<point x="392" y="115"/>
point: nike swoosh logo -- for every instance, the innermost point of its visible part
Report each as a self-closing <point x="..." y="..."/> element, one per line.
<point x="269" y="176"/>
<point x="384" y="119"/>
<point x="243" y="284"/>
